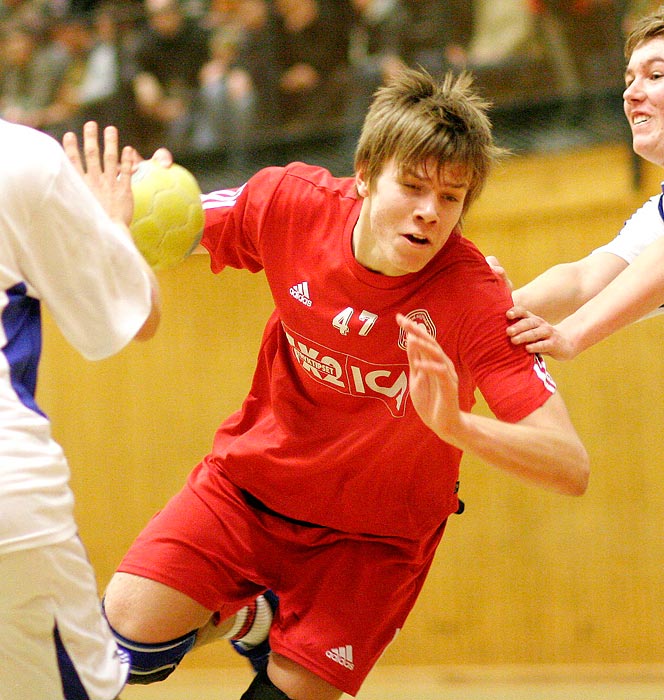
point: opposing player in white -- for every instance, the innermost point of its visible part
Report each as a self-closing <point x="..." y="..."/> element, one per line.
<point x="623" y="281"/>
<point x="64" y="243"/>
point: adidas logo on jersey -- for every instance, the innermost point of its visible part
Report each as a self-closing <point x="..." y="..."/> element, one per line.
<point x="301" y="293"/>
<point x="342" y="655"/>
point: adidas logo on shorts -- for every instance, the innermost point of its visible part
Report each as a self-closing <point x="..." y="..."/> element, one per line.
<point x="342" y="655"/>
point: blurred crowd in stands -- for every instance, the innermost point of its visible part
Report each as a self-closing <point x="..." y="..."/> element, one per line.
<point x="203" y="76"/>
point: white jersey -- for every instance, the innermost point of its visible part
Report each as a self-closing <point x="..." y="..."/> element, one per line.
<point x="642" y="228"/>
<point x="57" y="246"/>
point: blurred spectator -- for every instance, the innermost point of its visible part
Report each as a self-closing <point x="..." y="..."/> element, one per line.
<point x="313" y="63"/>
<point x="170" y="53"/>
<point x="437" y="30"/>
<point x="101" y="78"/>
<point x="31" y="13"/>
<point x="76" y="7"/>
<point x="105" y="94"/>
<point x="221" y="13"/>
<point x="25" y="89"/>
<point x="237" y="99"/>
<point x="70" y="37"/>
<point x="42" y="71"/>
<point x="258" y="55"/>
<point x="378" y="41"/>
<point x="231" y="75"/>
<point x="223" y="108"/>
<point x="502" y="31"/>
<point x="583" y="40"/>
<point x="583" y="49"/>
<point x="502" y="53"/>
<point x="28" y="10"/>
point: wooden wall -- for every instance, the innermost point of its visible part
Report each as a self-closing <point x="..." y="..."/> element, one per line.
<point x="523" y="575"/>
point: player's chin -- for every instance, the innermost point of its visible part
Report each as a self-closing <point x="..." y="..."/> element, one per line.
<point x="416" y="258"/>
<point x="648" y="146"/>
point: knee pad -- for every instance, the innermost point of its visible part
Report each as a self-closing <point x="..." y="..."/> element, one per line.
<point x="154" y="662"/>
<point x="262" y="688"/>
<point x="151" y="663"/>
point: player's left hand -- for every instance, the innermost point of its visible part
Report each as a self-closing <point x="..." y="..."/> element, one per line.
<point x="538" y="335"/>
<point x="434" y="384"/>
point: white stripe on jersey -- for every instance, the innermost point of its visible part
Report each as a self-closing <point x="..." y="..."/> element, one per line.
<point x="221" y="198"/>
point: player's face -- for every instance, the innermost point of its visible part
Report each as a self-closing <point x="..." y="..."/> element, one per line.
<point x="643" y="99"/>
<point x="407" y="217"/>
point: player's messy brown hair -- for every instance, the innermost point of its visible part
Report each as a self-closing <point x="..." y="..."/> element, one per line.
<point x="648" y="27"/>
<point x="417" y="120"/>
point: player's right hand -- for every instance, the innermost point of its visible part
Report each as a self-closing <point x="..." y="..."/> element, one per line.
<point x="107" y="173"/>
<point x="538" y="335"/>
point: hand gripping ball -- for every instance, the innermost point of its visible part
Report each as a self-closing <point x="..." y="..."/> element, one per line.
<point x="168" y="215"/>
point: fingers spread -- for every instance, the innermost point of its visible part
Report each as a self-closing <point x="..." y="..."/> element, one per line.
<point x="70" y="145"/>
<point x="111" y="150"/>
<point x="91" y="149"/>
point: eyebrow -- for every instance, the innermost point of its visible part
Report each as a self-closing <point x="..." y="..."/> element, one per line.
<point x="647" y="64"/>
<point x="458" y="185"/>
<point x="463" y="184"/>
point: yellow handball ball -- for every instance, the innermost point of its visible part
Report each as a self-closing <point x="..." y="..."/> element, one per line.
<point x="168" y="215"/>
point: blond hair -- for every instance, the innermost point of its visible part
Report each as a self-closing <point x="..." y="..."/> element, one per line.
<point x="417" y="120"/>
<point x="649" y="27"/>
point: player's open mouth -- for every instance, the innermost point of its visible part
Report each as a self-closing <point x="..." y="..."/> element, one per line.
<point x="417" y="240"/>
<point x="640" y="119"/>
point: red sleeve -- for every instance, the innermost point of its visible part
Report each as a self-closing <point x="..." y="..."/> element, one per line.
<point x="513" y="382"/>
<point x="234" y="219"/>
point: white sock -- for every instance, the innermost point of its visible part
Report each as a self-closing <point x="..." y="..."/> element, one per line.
<point x="252" y="624"/>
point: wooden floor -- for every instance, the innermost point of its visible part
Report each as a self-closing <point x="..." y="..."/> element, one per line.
<point x="605" y="682"/>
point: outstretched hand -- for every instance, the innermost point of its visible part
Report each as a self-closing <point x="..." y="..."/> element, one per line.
<point x="538" y="335"/>
<point x="434" y="384"/>
<point x="108" y="175"/>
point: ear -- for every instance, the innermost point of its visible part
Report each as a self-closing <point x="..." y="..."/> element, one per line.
<point x="361" y="184"/>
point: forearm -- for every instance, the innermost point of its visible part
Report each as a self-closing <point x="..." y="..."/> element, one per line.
<point x="635" y="292"/>
<point x="554" y="294"/>
<point x="149" y="328"/>
<point x="546" y="456"/>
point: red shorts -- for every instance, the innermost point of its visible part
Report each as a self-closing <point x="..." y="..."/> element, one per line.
<point x="342" y="597"/>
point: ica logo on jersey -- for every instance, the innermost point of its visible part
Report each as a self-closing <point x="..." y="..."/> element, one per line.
<point x="351" y="375"/>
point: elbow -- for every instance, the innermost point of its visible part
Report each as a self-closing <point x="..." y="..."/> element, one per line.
<point x="579" y="478"/>
<point x="149" y="327"/>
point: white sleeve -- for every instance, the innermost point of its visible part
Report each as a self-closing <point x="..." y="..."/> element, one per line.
<point x="639" y="231"/>
<point x="81" y="264"/>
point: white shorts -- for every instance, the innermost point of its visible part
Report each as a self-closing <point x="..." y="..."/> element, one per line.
<point x="45" y="588"/>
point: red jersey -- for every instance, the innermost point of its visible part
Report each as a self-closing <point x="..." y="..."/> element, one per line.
<point x="328" y="434"/>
